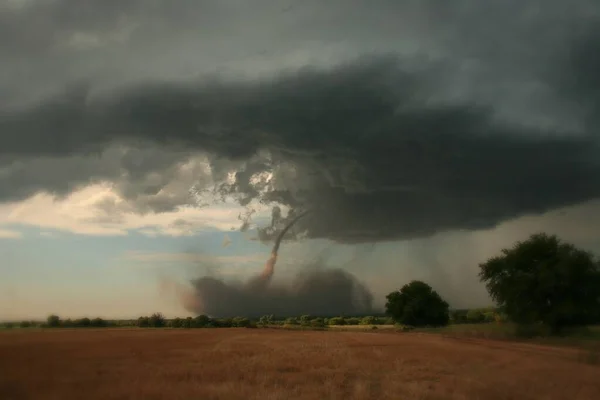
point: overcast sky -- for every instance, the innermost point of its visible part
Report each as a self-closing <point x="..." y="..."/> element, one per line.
<point x="422" y="135"/>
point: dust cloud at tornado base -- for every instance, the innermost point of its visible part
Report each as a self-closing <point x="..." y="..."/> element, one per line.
<point x="314" y="290"/>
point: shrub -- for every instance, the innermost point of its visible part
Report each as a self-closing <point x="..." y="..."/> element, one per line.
<point x="305" y="320"/>
<point x="336" y="321"/>
<point x="241" y="322"/>
<point x="317" y="323"/>
<point x="475" y="316"/>
<point x="265" y="320"/>
<point x="369" y="321"/>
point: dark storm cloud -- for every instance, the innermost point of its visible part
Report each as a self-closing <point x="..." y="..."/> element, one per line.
<point x="379" y="148"/>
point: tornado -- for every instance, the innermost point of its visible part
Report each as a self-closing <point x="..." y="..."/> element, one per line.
<point x="269" y="270"/>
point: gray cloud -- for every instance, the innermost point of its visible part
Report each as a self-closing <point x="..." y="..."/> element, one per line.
<point x="489" y="119"/>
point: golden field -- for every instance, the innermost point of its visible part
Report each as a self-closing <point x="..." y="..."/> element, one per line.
<point x="282" y="364"/>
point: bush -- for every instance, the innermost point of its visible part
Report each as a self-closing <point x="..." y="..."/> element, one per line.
<point x="291" y="321"/>
<point x="265" y="320"/>
<point x="336" y="321"/>
<point x="317" y="323"/>
<point x="475" y="316"/>
<point x="241" y="322"/>
<point x="25" y="324"/>
<point x="458" y="317"/>
<point x="369" y="321"/>
<point x="489" y="316"/>
<point x="352" y="321"/>
<point x="305" y="320"/>
<point x="417" y="304"/>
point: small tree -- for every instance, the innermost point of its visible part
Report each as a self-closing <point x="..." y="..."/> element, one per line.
<point x="157" y="320"/>
<point x="83" y="322"/>
<point x="53" y="321"/>
<point x="202" y="321"/>
<point x="143" y="322"/>
<point x="176" y="323"/>
<point x="417" y="304"/>
<point x="98" y="323"/>
<point x="544" y="280"/>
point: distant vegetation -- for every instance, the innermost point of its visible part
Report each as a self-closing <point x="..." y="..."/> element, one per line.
<point x="542" y="287"/>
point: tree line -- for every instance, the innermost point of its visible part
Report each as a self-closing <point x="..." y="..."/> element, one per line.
<point x="542" y="282"/>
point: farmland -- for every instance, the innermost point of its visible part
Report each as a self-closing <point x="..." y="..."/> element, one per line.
<point x="238" y="363"/>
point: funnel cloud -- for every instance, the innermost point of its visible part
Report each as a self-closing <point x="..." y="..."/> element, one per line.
<point x="313" y="291"/>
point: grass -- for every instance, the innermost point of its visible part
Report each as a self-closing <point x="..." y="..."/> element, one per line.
<point x="285" y="364"/>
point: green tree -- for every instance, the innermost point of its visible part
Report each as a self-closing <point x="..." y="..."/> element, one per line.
<point x="202" y="321"/>
<point x="98" y="323"/>
<point x="187" y="323"/>
<point x="475" y="316"/>
<point x="83" y="322"/>
<point x="417" y="304"/>
<point x="176" y="323"/>
<point x="53" y="321"/>
<point x="157" y="320"/>
<point x="544" y="280"/>
<point x="143" y="322"/>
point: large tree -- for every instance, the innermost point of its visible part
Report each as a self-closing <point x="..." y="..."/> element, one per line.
<point x="544" y="280"/>
<point x="417" y="304"/>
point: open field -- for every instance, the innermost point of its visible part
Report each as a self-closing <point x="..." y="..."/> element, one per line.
<point x="281" y="364"/>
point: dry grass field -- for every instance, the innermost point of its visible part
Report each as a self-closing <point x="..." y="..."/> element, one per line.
<point x="278" y="364"/>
